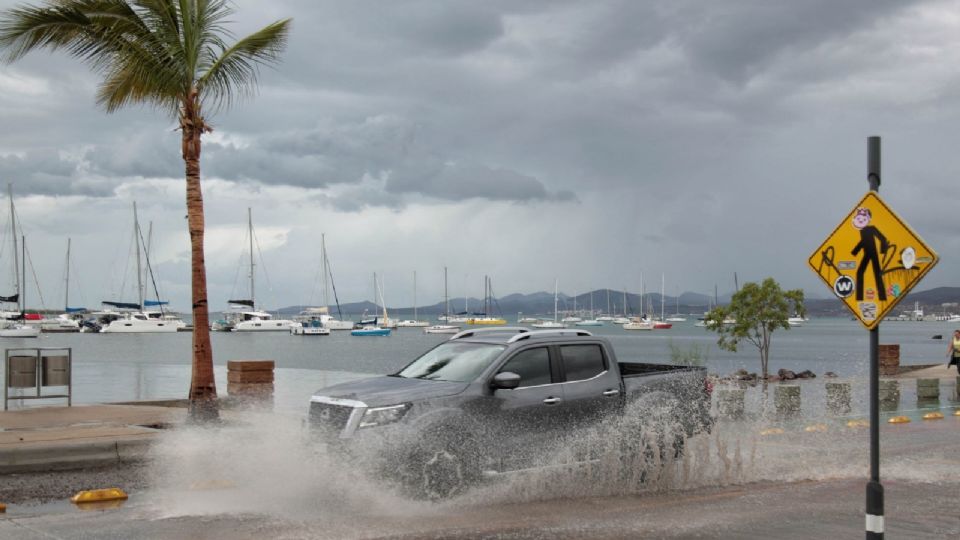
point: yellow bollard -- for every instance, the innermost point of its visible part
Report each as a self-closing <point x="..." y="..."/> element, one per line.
<point x="3" y="508"/>
<point x="933" y="416"/>
<point x="859" y="423"/>
<point x="99" y="495"/>
<point x="772" y="431"/>
<point x="899" y="420"/>
<point x="956" y="412"/>
<point x="816" y="428"/>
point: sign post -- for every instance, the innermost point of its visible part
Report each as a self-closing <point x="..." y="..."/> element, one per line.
<point x="871" y="261"/>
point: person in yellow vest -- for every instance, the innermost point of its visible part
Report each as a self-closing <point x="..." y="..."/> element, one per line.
<point x="954" y="351"/>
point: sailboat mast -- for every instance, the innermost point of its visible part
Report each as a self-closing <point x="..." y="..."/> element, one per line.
<point x="13" y="225"/>
<point x="323" y="255"/>
<point x="23" y="262"/>
<point x="662" y="284"/>
<point x="414" y="295"/>
<point x="66" y="295"/>
<point x="136" y="240"/>
<point x="556" y="286"/>
<point x="253" y="296"/>
<point x="608" y="302"/>
<point x="446" y="297"/>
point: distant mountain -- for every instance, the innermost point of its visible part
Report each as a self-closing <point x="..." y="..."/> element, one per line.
<point x="541" y="304"/>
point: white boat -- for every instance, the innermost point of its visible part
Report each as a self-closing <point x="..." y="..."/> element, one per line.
<point x="589" y="322"/>
<point x="132" y="322"/>
<point x="330" y="322"/>
<point x="244" y="316"/>
<point x="441" y="329"/>
<point x="259" y="321"/>
<point x="639" y="323"/>
<point x="309" y="328"/>
<point x="553" y="323"/>
<point x="17" y="328"/>
<point x="621" y="320"/>
<point x="676" y="317"/>
<point x="605" y="318"/>
<point x="525" y="320"/>
<point x="412" y="323"/>
<point x="374" y="327"/>
<point x="571" y="319"/>
<point x="795" y="321"/>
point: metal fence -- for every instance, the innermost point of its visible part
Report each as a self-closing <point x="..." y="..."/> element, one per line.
<point x="36" y="369"/>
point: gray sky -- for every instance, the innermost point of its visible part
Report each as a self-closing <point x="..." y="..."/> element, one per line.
<point x="584" y="141"/>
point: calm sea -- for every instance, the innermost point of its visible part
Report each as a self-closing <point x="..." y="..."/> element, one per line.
<point x="122" y="367"/>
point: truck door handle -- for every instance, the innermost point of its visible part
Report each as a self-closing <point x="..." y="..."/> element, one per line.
<point x="551" y="400"/>
<point x="609" y="393"/>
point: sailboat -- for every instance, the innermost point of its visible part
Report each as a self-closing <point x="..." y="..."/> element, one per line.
<point x="488" y="300"/>
<point x="661" y="324"/>
<point x="554" y="323"/>
<point x="245" y="317"/>
<point x="443" y="328"/>
<point x="18" y="328"/>
<point x="607" y="317"/>
<point x="415" y="322"/>
<point x="641" y="322"/>
<point x="69" y="320"/>
<point x="134" y="318"/>
<point x="591" y="321"/>
<point x="370" y="328"/>
<point x="677" y="317"/>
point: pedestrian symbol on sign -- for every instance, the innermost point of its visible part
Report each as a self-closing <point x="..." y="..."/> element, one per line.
<point x="843" y="286"/>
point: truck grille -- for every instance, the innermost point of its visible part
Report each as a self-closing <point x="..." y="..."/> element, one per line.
<point x="328" y="418"/>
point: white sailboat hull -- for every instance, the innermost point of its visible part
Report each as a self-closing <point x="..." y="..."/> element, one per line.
<point x="441" y="329"/>
<point x="271" y="325"/>
<point x="138" y="326"/>
<point x="20" y="331"/>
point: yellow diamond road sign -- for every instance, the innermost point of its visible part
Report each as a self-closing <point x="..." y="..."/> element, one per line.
<point x="872" y="260"/>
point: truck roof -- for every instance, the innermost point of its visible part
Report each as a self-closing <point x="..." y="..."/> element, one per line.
<point x="508" y="335"/>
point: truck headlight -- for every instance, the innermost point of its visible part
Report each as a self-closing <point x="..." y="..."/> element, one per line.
<point x="378" y="416"/>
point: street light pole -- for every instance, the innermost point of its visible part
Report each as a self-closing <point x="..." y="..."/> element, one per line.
<point x="874" y="522"/>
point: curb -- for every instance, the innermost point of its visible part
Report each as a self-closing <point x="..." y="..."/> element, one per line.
<point x="73" y="455"/>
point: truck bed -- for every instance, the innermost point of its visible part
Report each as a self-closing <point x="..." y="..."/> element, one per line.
<point x="637" y="369"/>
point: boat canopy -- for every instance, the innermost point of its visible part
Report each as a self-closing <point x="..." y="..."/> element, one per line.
<point x="75" y="309"/>
<point x="121" y="305"/>
<point x="155" y="302"/>
<point x="248" y="303"/>
<point x="11" y="299"/>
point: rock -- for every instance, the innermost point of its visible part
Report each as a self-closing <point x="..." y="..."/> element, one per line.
<point x="741" y="372"/>
<point x="937" y="336"/>
<point x="830" y="375"/>
<point x="773" y="378"/>
<point x="806" y="374"/>
<point x="786" y="375"/>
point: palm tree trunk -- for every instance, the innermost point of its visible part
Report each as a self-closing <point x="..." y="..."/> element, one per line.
<point x="203" y="389"/>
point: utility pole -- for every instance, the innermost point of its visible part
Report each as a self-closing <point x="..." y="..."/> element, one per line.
<point x="874" y="521"/>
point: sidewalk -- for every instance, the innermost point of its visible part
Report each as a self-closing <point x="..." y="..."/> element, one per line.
<point x="49" y="438"/>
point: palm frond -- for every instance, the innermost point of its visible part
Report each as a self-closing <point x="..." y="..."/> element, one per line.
<point x="234" y="71"/>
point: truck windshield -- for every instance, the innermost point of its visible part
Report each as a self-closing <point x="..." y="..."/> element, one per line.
<point x="454" y="362"/>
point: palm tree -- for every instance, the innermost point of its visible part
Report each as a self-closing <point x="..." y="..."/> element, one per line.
<point x="171" y="54"/>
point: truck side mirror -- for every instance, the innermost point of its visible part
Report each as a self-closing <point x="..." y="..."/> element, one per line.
<point x="506" y="380"/>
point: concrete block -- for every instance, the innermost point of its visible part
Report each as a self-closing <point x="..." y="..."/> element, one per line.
<point x="786" y="398"/>
<point x="889" y="390"/>
<point x="838" y="397"/>
<point x="250" y="365"/>
<point x="250" y="376"/>
<point x="928" y="388"/>
<point x="730" y="402"/>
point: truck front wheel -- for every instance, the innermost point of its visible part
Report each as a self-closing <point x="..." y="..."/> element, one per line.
<point x="442" y="467"/>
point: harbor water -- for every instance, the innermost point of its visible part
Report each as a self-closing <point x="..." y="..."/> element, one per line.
<point x="127" y="367"/>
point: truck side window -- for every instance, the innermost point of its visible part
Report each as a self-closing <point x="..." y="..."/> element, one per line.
<point x="582" y="361"/>
<point x="532" y="365"/>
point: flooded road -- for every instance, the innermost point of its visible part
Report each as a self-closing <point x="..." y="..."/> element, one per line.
<point x="263" y="479"/>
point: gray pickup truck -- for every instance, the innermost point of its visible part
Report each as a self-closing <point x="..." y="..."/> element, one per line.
<point x="497" y="400"/>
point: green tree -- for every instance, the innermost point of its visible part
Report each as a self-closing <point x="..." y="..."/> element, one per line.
<point x="173" y="55"/>
<point x="754" y="313"/>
